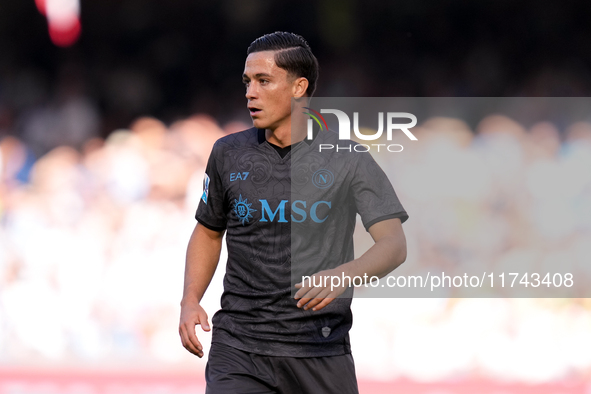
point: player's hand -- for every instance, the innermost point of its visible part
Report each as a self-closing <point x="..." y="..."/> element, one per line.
<point x="192" y="314"/>
<point x="317" y="297"/>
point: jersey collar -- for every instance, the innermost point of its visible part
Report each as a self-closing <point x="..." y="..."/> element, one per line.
<point x="261" y="136"/>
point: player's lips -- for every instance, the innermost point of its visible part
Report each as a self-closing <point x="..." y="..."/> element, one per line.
<point x="254" y="111"/>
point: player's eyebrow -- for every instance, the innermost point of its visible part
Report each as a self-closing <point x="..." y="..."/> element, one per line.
<point x="259" y="75"/>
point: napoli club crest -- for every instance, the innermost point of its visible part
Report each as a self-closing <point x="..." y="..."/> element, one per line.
<point x="323" y="178"/>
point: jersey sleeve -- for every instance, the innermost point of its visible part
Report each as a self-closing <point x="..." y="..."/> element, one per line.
<point x="374" y="196"/>
<point x="211" y="212"/>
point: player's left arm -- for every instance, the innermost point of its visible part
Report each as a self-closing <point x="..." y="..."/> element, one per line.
<point x="388" y="252"/>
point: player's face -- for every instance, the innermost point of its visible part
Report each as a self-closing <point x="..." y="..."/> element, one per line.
<point x="269" y="90"/>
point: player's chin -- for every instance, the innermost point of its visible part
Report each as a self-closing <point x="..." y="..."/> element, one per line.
<point x="260" y="123"/>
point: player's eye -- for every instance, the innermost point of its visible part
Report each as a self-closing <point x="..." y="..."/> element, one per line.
<point x="264" y="81"/>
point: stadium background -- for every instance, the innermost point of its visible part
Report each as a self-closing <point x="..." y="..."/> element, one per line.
<point x="102" y="148"/>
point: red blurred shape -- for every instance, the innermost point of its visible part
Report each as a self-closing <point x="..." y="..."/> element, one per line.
<point x="41" y="6"/>
<point x="64" y="35"/>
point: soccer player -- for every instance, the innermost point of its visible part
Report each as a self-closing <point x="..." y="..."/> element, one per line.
<point x="279" y="199"/>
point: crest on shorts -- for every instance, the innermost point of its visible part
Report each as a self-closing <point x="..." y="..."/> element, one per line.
<point x="326" y="331"/>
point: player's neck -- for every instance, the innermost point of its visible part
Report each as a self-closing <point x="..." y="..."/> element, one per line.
<point x="281" y="136"/>
<point x="285" y="134"/>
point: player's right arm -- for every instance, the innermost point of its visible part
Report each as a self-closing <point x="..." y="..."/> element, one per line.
<point x="203" y="254"/>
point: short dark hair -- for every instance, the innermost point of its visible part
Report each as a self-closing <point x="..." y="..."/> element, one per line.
<point x="293" y="55"/>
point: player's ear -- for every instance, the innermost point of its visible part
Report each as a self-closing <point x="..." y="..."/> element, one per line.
<point x="299" y="87"/>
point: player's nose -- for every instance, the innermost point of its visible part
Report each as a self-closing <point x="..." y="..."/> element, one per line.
<point x="251" y="92"/>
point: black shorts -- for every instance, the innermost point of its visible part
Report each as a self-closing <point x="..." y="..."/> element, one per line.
<point x="233" y="371"/>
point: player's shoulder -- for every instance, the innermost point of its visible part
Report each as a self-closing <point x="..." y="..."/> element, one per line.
<point x="328" y="136"/>
<point x="240" y="139"/>
<point x="332" y="137"/>
<point x="329" y="142"/>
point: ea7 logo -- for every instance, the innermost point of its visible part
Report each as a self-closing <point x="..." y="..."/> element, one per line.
<point x="345" y="124"/>
<point x="234" y="176"/>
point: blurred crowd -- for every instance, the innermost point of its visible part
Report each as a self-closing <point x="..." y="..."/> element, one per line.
<point x="499" y="197"/>
<point x="92" y="243"/>
<point x="168" y="60"/>
<point x="92" y="240"/>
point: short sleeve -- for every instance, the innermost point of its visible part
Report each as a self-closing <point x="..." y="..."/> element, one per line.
<point x="374" y="196"/>
<point x="211" y="212"/>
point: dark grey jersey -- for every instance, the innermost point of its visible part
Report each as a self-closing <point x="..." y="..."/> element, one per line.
<point x="285" y="218"/>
